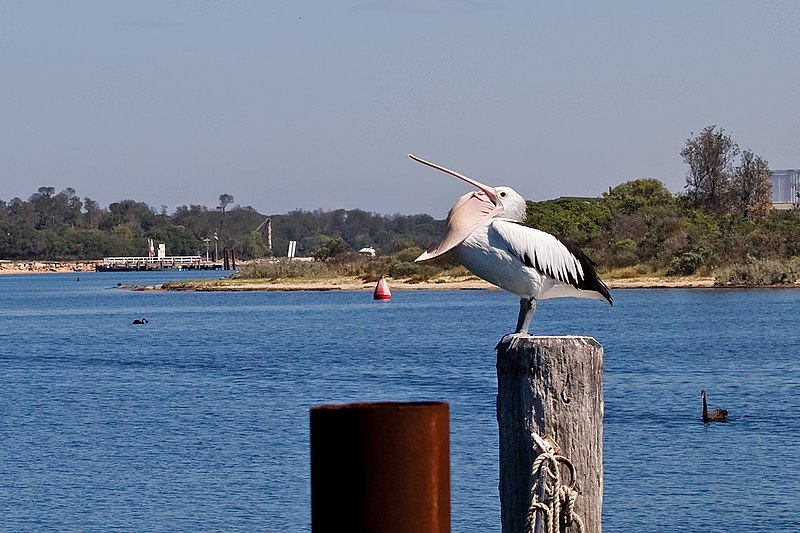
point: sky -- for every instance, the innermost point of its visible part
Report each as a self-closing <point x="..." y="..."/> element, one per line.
<point x="316" y="104"/>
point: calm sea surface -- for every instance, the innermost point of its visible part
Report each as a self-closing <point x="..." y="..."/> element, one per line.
<point x="198" y="420"/>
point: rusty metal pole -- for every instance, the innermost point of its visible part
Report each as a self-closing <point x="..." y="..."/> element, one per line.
<point x="380" y="467"/>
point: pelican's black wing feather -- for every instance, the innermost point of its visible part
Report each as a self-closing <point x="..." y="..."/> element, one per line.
<point x="591" y="281"/>
<point x="554" y="257"/>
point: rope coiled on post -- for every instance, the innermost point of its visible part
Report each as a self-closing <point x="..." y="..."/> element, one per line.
<point x="558" y="501"/>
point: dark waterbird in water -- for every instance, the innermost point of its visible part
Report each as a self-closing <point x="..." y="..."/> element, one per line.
<point x="140" y="321"/>
<point x="715" y="415"/>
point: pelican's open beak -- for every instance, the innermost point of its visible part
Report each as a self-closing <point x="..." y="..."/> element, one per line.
<point x="469" y="213"/>
<point x="490" y="192"/>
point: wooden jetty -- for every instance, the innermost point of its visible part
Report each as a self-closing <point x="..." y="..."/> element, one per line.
<point x="179" y="262"/>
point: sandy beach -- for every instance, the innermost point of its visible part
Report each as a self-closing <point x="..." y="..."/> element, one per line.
<point x="43" y="267"/>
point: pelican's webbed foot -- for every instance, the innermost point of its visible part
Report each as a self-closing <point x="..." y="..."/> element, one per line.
<point x="512" y="339"/>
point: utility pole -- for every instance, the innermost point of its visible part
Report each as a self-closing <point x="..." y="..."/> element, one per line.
<point x="216" y="252"/>
<point x="268" y="223"/>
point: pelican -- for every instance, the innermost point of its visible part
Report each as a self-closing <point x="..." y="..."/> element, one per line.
<point x="486" y="232"/>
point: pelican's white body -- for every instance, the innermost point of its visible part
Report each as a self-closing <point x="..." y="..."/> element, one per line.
<point x="494" y="252"/>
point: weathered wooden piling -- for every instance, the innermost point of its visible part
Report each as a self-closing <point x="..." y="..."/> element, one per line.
<point x="380" y="467"/>
<point x="552" y="386"/>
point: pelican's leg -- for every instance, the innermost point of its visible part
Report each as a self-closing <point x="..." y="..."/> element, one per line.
<point x="527" y="306"/>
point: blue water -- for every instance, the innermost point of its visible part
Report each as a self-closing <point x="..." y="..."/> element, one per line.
<point x="198" y="420"/>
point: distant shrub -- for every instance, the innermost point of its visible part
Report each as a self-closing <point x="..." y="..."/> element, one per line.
<point x="629" y="272"/>
<point x="283" y="268"/>
<point x="347" y="264"/>
<point x="405" y="269"/>
<point x="624" y="253"/>
<point x="759" y="272"/>
<point x="685" y="264"/>
<point x="375" y="268"/>
<point x="408" y="254"/>
<point x="704" y="271"/>
<point x="330" y="248"/>
<point x="424" y="273"/>
<point x="458" y="271"/>
<point x="626" y="273"/>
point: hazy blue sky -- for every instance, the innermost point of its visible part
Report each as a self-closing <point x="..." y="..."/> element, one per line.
<point x="315" y="104"/>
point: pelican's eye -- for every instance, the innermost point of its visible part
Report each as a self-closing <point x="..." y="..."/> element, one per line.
<point x="502" y="194"/>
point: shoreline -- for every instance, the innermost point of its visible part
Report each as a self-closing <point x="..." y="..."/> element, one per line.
<point x="354" y="283"/>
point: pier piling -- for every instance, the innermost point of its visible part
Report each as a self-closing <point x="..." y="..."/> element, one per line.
<point x="551" y="387"/>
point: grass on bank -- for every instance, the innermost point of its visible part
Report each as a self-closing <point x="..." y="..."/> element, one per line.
<point x="749" y="273"/>
<point x="759" y="273"/>
<point x="368" y="269"/>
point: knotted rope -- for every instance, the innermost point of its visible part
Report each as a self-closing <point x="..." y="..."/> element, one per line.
<point x="549" y="496"/>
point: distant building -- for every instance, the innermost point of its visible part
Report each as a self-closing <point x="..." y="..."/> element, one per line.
<point x="785" y="186"/>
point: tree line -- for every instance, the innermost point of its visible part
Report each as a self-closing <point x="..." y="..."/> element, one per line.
<point x="62" y="225"/>
<point x="722" y="217"/>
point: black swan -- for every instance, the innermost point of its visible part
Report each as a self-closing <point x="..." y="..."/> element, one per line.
<point x="140" y="321"/>
<point x="715" y="415"/>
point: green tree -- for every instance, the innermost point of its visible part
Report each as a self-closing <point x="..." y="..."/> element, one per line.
<point x="578" y="221"/>
<point x="710" y="157"/>
<point x="253" y="246"/>
<point x="196" y="218"/>
<point x="68" y="208"/>
<point x="224" y="201"/>
<point x="138" y="216"/>
<point x="92" y="213"/>
<point x="22" y="214"/>
<point x="330" y="248"/>
<point x="633" y="195"/>
<point x="751" y="186"/>
<point x="43" y="205"/>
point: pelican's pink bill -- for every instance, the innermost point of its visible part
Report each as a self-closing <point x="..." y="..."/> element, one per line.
<point x="485" y="188"/>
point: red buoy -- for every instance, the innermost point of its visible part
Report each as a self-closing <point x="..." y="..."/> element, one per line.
<point x="382" y="291"/>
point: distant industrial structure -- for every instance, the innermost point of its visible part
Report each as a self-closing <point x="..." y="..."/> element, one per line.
<point x="785" y="188"/>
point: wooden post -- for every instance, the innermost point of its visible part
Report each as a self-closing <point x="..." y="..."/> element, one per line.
<point x="552" y="386"/>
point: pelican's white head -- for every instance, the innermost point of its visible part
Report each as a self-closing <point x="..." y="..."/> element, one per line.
<point x="474" y="209"/>
<point x="514" y="205"/>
